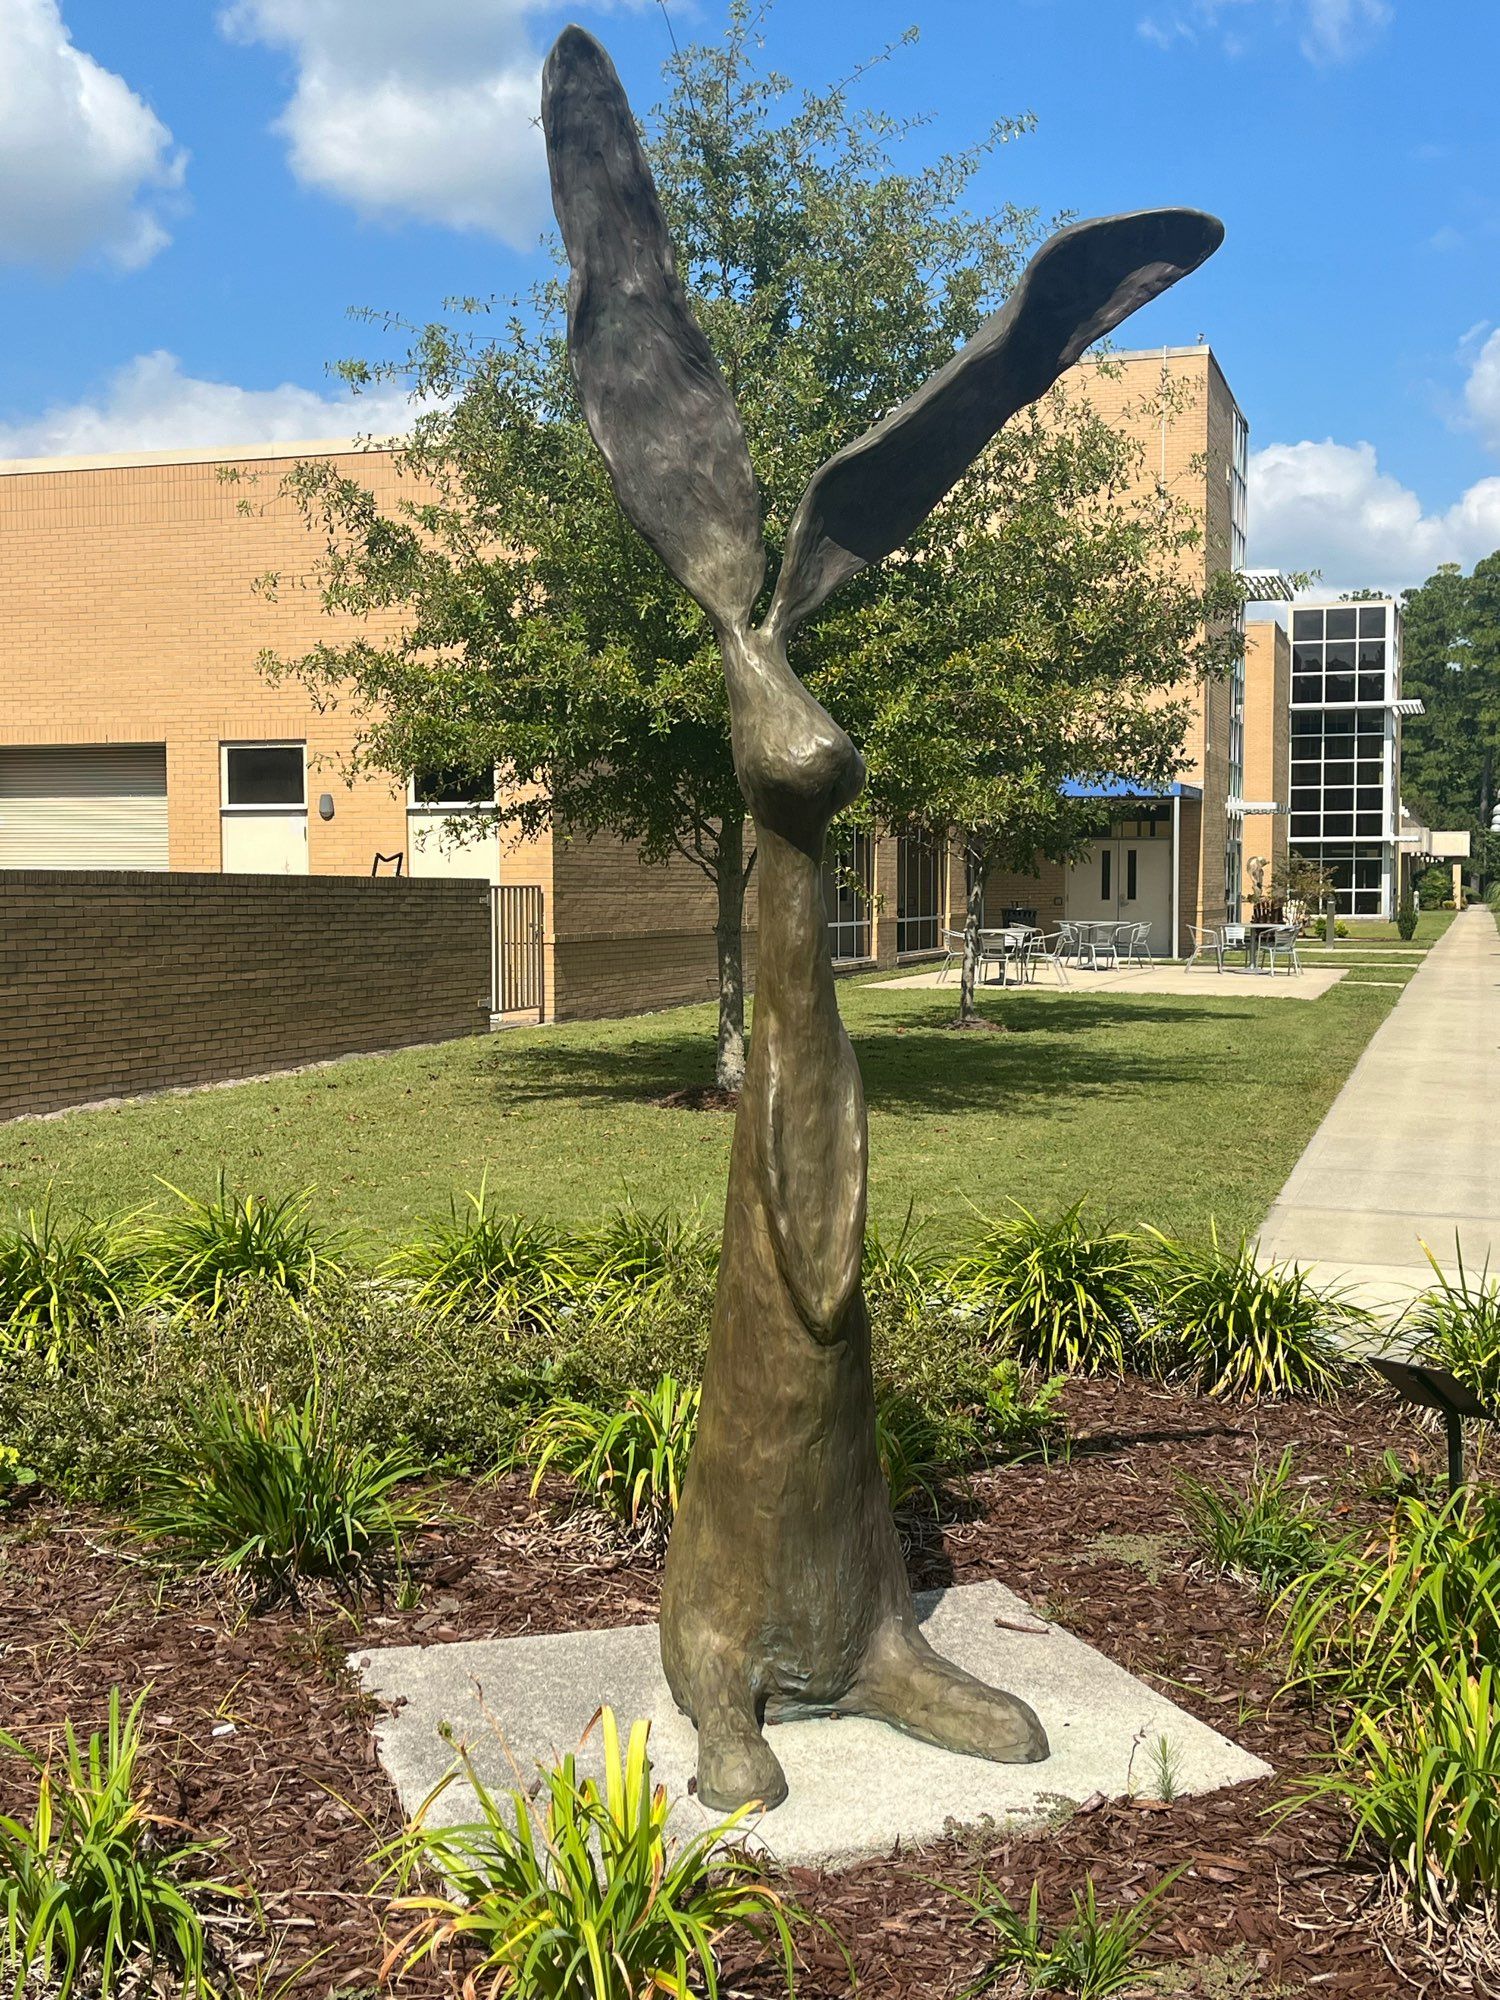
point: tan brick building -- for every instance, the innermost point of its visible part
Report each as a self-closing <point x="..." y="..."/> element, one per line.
<point x="138" y="732"/>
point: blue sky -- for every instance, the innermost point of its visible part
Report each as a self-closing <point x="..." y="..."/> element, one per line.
<point x="192" y="194"/>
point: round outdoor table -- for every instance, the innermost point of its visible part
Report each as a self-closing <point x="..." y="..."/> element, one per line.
<point x="1254" y="935"/>
<point x="993" y="944"/>
<point x="1094" y="931"/>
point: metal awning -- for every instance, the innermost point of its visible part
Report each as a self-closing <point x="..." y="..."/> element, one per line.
<point x="1243" y="808"/>
<point x="1410" y="704"/>
<point x="1267" y="586"/>
<point x="1122" y="788"/>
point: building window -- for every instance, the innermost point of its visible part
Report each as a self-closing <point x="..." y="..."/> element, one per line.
<point x="1357" y="877"/>
<point x="919" y="893"/>
<point x="265" y="774"/>
<point x="451" y="787"/>
<point x="848" y="885"/>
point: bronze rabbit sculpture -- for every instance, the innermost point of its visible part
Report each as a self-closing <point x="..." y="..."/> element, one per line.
<point x="785" y="1587"/>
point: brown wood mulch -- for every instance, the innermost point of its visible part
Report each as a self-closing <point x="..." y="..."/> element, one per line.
<point x="259" y="1738"/>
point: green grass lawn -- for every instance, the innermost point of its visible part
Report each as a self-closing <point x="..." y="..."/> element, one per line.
<point x="1159" y="1110"/>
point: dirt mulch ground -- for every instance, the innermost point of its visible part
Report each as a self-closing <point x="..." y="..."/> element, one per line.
<point x="259" y="1737"/>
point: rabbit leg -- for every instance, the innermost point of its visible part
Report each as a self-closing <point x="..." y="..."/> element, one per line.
<point x="905" y="1683"/>
<point x="736" y="1765"/>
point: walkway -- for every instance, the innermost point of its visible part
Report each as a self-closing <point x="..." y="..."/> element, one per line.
<point x="1152" y="981"/>
<point x="1410" y="1149"/>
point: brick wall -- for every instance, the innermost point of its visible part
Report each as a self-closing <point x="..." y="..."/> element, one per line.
<point x="112" y="983"/>
<point x="627" y="935"/>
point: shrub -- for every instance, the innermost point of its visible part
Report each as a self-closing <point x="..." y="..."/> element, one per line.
<point x="206" y="1250"/>
<point x="445" y="1392"/>
<point x="1261" y="1535"/>
<point x="1422" y="1781"/>
<point x="1090" y="1956"/>
<point x="277" y="1496"/>
<point x="1426" y="1586"/>
<point x="59" y="1280"/>
<point x="94" y="1886"/>
<point x="1240" y="1329"/>
<point x="630" y="1461"/>
<point x="1456" y="1325"/>
<point x="1061" y="1297"/>
<point x="597" y="1901"/>
<point x="473" y="1263"/>
<point x="1406" y="918"/>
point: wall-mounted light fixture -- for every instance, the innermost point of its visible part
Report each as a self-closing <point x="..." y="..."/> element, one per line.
<point x="325" y="806"/>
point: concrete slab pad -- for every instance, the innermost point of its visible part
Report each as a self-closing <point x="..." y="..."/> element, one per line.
<point x="1152" y="982"/>
<point x="857" y="1787"/>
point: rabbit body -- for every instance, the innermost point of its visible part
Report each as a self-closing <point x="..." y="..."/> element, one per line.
<point x="785" y="1586"/>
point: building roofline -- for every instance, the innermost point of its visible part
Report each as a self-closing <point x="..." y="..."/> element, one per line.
<point x="111" y="461"/>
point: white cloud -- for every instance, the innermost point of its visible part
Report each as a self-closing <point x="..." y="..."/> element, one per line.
<point x="1328" y="31"/>
<point x="151" y="405"/>
<point x="1329" y="507"/>
<point x="403" y="110"/>
<point x="84" y="162"/>
<point x="1482" y="389"/>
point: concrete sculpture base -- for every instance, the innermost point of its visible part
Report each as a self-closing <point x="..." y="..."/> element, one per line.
<point x="857" y="1787"/>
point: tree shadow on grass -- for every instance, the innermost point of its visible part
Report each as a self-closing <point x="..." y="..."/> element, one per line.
<point x="910" y="1062"/>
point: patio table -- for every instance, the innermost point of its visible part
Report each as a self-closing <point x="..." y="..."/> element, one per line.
<point x="1254" y="936"/>
<point x="1095" y="931"/>
<point x="1004" y="944"/>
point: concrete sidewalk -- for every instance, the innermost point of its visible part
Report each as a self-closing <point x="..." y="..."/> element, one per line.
<point x="1410" y="1149"/>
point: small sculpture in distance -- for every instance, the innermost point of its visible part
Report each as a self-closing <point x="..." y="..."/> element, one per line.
<point x="785" y="1587"/>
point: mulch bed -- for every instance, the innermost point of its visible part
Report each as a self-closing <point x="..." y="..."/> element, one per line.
<point x="699" y="1097"/>
<point x="259" y="1736"/>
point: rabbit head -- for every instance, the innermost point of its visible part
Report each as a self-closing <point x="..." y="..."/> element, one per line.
<point x="664" y="420"/>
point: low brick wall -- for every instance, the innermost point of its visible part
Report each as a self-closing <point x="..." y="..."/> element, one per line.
<point x="112" y="983"/>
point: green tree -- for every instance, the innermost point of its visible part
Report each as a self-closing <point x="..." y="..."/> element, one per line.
<point x="1450" y="756"/>
<point x="540" y="637"/>
<point x="1053" y="625"/>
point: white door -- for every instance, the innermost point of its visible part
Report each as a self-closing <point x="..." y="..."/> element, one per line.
<point x="96" y="806"/>
<point x="263" y="822"/>
<point x="448" y="830"/>
<point x="1129" y="880"/>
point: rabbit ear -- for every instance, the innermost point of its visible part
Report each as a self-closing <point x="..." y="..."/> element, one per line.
<point x="873" y="494"/>
<point x="658" y="408"/>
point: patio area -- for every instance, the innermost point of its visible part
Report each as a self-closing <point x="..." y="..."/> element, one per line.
<point x="1152" y="981"/>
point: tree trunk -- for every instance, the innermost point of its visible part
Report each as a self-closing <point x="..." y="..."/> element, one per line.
<point x="974" y="880"/>
<point x="729" y="943"/>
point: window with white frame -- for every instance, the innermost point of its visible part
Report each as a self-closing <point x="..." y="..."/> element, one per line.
<point x="264" y="776"/>
<point x="848" y="885"/>
<point x="920" y="868"/>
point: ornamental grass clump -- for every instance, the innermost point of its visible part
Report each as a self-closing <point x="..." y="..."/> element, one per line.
<point x="1090" y="1956"/>
<point x="1061" y="1297"/>
<point x="903" y="1275"/>
<point x="582" y="1896"/>
<point x="639" y="1260"/>
<point x="920" y="1449"/>
<point x="1456" y="1325"/>
<point x="474" y="1263"/>
<point x="98" y="1894"/>
<point x="629" y="1461"/>
<point x="1241" y="1329"/>
<point x="278" y="1496"/>
<point x="1366" y="1623"/>
<point x="1262" y="1535"/>
<point x="61" y="1277"/>
<point x="203" y="1253"/>
<point x="1420" y="1778"/>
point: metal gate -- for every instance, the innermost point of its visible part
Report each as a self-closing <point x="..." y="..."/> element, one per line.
<point x="517" y="929"/>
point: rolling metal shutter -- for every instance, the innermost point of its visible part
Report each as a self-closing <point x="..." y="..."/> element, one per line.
<point x="103" y="806"/>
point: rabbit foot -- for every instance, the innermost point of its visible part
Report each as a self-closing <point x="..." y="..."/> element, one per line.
<point x="736" y="1765"/>
<point x="908" y="1685"/>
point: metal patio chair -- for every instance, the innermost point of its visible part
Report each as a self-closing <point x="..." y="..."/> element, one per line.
<point x="1204" y="941"/>
<point x="1282" y="942"/>
<point x="1044" y="950"/>
<point x="1135" y="946"/>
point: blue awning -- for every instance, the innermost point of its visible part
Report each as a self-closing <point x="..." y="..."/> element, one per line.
<point x="1121" y="788"/>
